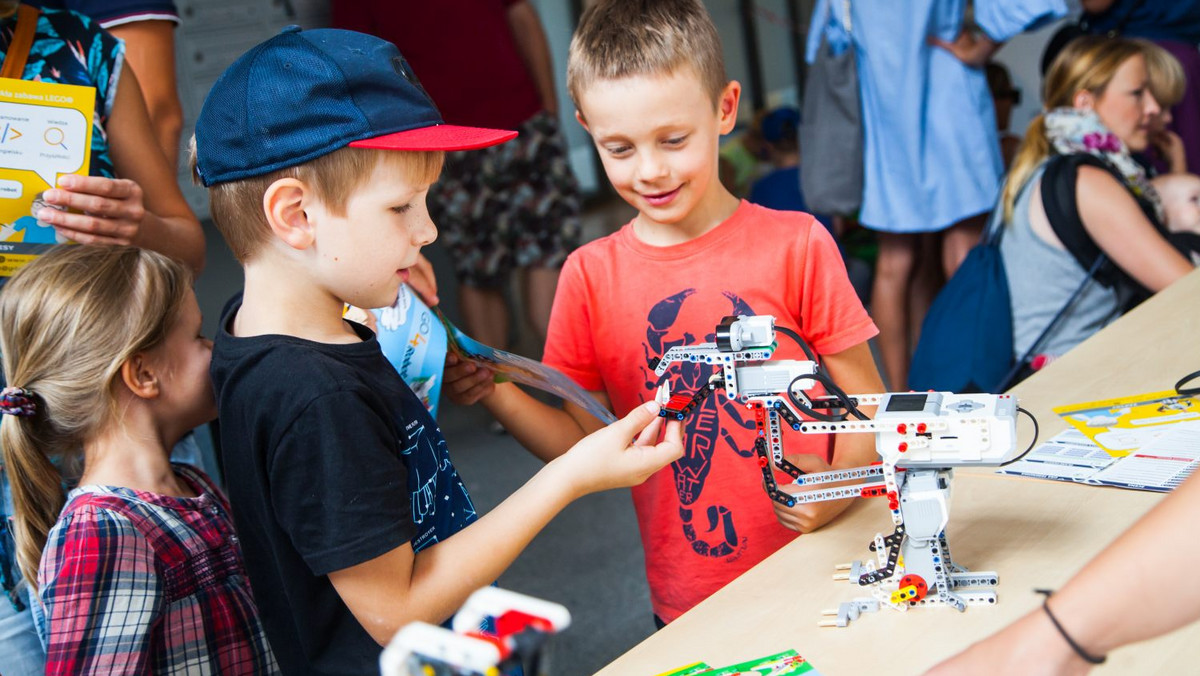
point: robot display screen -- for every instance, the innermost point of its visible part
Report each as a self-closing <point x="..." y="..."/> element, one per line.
<point x="907" y="402"/>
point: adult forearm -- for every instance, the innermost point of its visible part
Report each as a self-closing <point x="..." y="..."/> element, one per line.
<point x="534" y="49"/>
<point x="179" y="237"/>
<point x="1128" y="592"/>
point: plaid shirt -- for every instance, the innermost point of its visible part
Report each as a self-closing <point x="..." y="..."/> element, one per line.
<point x="141" y="583"/>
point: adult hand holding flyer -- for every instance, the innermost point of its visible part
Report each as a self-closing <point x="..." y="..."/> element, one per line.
<point x="45" y="132"/>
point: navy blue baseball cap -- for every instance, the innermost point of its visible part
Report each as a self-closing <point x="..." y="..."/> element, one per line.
<point x="304" y="94"/>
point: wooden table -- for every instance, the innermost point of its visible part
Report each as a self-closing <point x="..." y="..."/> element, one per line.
<point x="1033" y="533"/>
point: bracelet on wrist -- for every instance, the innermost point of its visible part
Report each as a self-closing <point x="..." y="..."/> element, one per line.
<point x="1083" y="654"/>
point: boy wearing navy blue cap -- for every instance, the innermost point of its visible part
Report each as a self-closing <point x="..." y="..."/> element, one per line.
<point x="318" y="148"/>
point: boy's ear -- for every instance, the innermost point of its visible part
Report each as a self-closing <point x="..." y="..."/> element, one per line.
<point x="727" y="106"/>
<point x="582" y="122"/>
<point x="138" y="376"/>
<point x="283" y="205"/>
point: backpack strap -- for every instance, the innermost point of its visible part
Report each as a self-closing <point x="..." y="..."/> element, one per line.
<point x="22" y="41"/>
<point x="1065" y="310"/>
<point x="1062" y="212"/>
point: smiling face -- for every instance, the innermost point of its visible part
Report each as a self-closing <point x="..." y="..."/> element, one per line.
<point x="363" y="255"/>
<point x="657" y="136"/>
<point x="1126" y="105"/>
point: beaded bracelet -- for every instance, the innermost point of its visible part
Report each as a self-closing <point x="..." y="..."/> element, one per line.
<point x="1083" y="654"/>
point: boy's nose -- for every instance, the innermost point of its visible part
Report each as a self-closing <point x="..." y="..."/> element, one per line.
<point x="424" y="232"/>
<point x="651" y="166"/>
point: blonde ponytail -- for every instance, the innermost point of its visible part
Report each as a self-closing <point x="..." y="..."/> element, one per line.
<point x="1034" y="148"/>
<point x="68" y="321"/>
<point x="36" y="492"/>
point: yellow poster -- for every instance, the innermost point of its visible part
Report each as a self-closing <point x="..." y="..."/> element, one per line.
<point x="45" y="132"/>
<point x="1122" y="426"/>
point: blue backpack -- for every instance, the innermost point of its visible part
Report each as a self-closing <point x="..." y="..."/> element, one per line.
<point x="966" y="342"/>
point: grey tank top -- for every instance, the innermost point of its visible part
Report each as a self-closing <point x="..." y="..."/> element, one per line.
<point x="1041" y="278"/>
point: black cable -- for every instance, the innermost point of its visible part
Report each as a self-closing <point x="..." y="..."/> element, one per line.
<point x="1032" y="443"/>
<point x="1188" y="391"/>
<point x="844" y="400"/>
<point x="812" y="356"/>
<point x="819" y="416"/>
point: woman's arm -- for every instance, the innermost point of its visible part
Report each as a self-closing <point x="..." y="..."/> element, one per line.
<point x="150" y="50"/>
<point x="1108" y="604"/>
<point x="1114" y="221"/>
<point x="143" y="207"/>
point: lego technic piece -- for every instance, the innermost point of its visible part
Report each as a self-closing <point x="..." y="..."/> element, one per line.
<point x="920" y="438"/>
<point x="494" y="631"/>
<point x="679" y="406"/>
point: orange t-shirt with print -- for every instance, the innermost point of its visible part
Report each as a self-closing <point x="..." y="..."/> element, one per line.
<point x="622" y="303"/>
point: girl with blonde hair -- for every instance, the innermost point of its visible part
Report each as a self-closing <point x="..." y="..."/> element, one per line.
<point x="1074" y="192"/>
<point x="138" y="568"/>
<point x="129" y="195"/>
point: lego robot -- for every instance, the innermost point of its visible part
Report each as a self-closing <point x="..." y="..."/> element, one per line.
<point x="494" y="632"/>
<point x="920" y="438"/>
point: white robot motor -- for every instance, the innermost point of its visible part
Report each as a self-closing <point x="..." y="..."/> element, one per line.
<point x="920" y="438"/>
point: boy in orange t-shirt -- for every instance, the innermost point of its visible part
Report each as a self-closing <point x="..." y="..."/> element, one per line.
<point x="648" y="80"/>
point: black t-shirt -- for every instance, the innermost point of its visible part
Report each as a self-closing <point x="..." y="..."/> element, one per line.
<point x="330" y="460"/>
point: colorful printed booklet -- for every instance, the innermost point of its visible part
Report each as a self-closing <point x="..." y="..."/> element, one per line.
<point x="1122" y="426"/>
<point x="1159" y="466"/>
<point x="45" y="132"/>
<point x="414" y="341"/>
<point x="513" y="367"/>
<point x="787" y="663"/>
<point x="415" y="338"/>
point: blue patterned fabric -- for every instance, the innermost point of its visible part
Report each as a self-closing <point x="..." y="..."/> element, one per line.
<point x="69" y="48"/>
<point x="116" y="12"/>
<point x="931" y="152"/>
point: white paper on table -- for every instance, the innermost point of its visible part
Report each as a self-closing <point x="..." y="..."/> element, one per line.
<point x="1160" y="465"/>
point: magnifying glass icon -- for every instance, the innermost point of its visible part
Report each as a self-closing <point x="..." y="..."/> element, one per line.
<point x="55" y="137"/>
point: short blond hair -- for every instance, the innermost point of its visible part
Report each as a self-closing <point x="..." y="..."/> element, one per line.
<point x="625" y="38"/>
<point x="1164" y="73"/>
<point x="236" y="206"/>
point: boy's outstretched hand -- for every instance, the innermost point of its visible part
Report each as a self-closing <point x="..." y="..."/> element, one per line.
<point x="606" y="459"/>
<point x="807" y="517"/>
<point x="111" y="209"/>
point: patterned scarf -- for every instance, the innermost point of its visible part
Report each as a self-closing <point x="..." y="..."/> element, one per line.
<point x="1072" y="130"/>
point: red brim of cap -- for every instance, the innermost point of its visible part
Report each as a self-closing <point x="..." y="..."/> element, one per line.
<point x="438" y="137"/>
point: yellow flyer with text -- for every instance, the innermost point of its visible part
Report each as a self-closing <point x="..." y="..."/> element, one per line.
<point x="45" y="132"/>
<point x="1122" y="426"/>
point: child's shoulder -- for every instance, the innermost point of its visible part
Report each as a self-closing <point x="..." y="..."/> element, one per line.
<point x="756" y="215"/>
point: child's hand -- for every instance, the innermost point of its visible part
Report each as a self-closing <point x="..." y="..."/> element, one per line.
<point x="606" y="459"/>
<point x="112" y="209"/>
<point x="465" y="382"/>
<point x="807" y="517"/>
